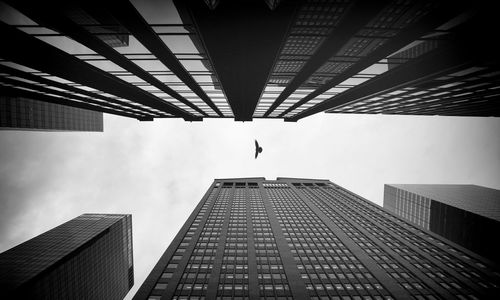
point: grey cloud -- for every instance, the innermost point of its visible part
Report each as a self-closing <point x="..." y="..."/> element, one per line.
<point x="158" y="171"/>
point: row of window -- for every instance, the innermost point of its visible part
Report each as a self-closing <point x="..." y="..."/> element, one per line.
<point x="320" y="256"/>
<point x="383" y="226"/>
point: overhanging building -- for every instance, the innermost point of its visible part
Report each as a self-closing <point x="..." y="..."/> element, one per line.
<point x="88" y="257"/>
<point x="468" y="215"/>
<point x="252" y="238"/>
<point x="253" y="58"/>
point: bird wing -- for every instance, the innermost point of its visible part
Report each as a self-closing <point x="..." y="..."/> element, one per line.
<point x="256" y="145"/>
<point x="256" y="152"/>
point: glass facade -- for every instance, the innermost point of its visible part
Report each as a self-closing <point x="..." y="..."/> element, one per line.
<point x="88" y="257"/>
<point x="290" y="238"/>
<point x="287" y="60"/>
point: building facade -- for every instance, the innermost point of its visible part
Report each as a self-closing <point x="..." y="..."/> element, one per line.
<point x="28" y="114"/>
<point x="468" y="215"/>
<point x="252" y="238"/>
<point x="254" y="58"/>
<point x="88" y="257"/>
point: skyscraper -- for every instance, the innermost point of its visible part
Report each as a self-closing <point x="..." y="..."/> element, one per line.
<point x="468" y="215"/>
<point x="252" y="238"/>
<point x="254" y="58"/>
<point x="88" y="257"/>
<point x="17" y="113"/>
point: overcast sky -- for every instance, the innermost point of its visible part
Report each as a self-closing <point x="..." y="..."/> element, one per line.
<point x="158" y="171"/>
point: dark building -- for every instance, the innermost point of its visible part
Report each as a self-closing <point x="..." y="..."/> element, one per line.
<point x="252" y="238"/>
<point x="413" y="51"/>
<point x="88" y="257"/>
<point x="468" y="215"/>
<point x="254" y="58"/>
<point x="28" y="114"/>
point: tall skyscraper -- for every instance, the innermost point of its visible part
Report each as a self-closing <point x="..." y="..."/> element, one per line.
<point x="468" y="215"/>
<point x="27" y="114"/>
<point x="88" y="257"/>
<point x="251" y="59"/>
<point x="252" y="238"/>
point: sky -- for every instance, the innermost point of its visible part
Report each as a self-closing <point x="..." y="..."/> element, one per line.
<point x="158" y="171"/>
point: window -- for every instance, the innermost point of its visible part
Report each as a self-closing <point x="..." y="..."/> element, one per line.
<point x="160" y="286"/>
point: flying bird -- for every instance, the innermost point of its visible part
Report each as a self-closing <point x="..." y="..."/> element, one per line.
<point x="258" y="149"/>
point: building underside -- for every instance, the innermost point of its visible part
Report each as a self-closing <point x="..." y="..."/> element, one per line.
<point x="252" y="59"/>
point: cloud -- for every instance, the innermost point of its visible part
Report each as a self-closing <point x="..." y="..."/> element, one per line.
<point x="159" y="171"/>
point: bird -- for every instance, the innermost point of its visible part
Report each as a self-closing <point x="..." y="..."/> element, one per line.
<point x="258" y="149"/>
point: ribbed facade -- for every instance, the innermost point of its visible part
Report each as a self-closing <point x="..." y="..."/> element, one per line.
<point x="411" y="207"/>
<point x="88" y="257"/>
<point x="289" y="238"/>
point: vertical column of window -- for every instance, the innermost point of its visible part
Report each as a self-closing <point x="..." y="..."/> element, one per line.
<point x="397" y="230"/>
<point x="409" y="213"/>
<point x="401" y="200"/>
<point x="405" y="274"/>
<point x="417" y="209"/>
<point x="286" y="269"/>
<point x="324" y="255"/>
<point x="252" y="198"/>
<point x="420" y="210"/>
<point x="408" y="206"/>
<point x="233" y="278"/>
<point x="126" y="223"/>
<point x="413" y="208"/>
<point x="427" y="214"/>
<point x="130" y="256"/>
<point x="427" y="211"/>
<point x="405" y="205"/>
<point x="272" y="280"/>
<point x="218" y="239"/>
<point x="397" y="210"/>
<point x="179" y="262"/>
<point x="197" y="274"/>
